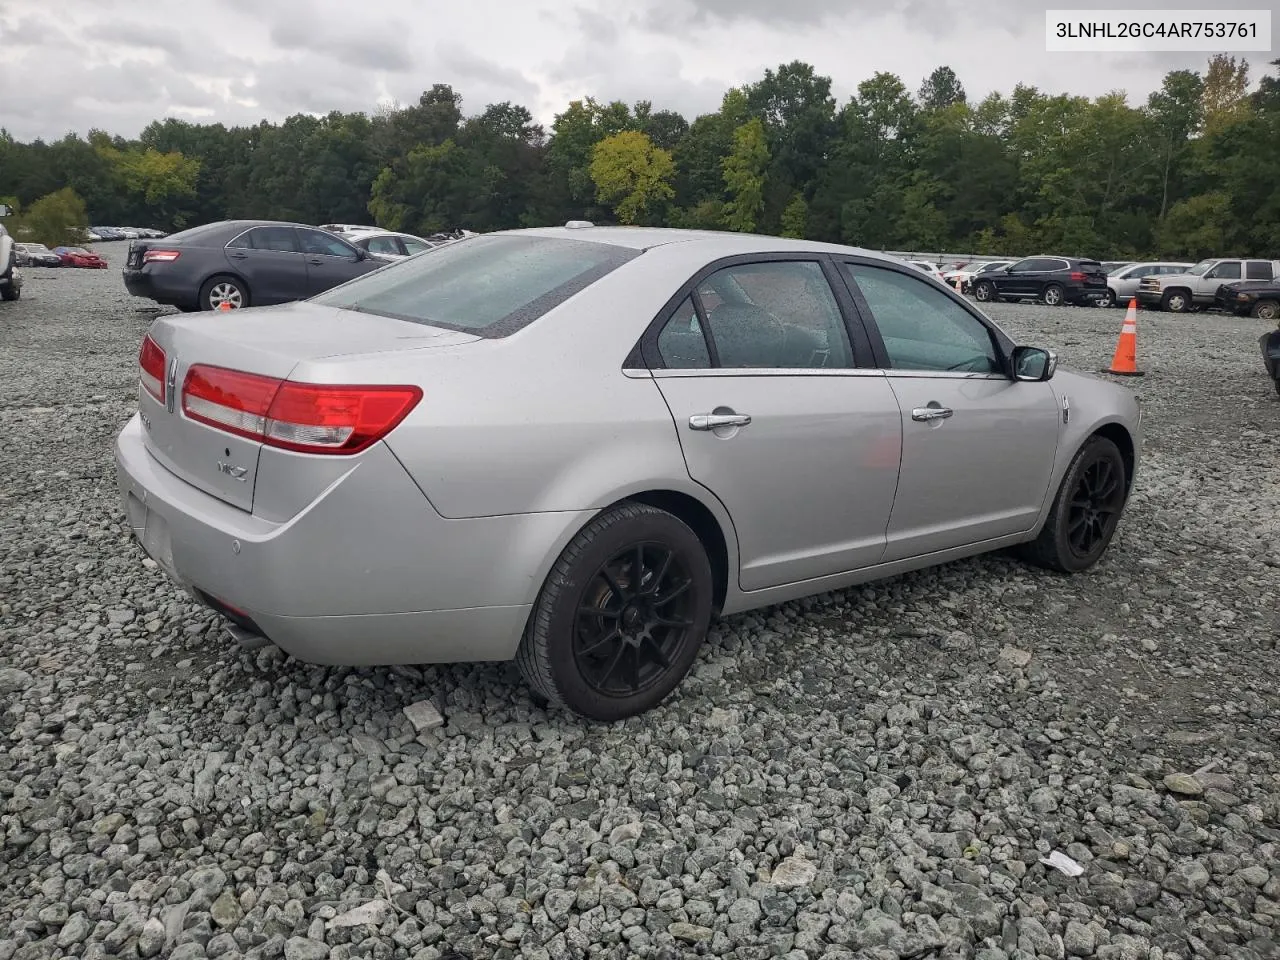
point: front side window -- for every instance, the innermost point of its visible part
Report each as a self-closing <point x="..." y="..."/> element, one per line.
<point x="776" y="314"/>
<point x="413" y="246"/>
<point x="383" y="245"/>
<point x="488" y="285"/>
<point x="321" y="244"/>
<point x="922" y="328"/>
<point x="1225" y="271"/>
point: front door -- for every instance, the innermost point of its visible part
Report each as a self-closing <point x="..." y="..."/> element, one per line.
<point x="331" y="260"/>
<point x="775" y="419"/>
<point x="977" y="446"/>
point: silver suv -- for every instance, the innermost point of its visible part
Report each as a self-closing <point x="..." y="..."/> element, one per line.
<point x="1197" y="287"/>
<point x="10" y="278"/>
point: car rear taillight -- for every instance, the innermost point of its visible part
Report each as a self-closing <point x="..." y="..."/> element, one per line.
<point x="161" y="256"/>
<point x="151" y="368"/>
<point x="1077" y="275"/>
<point x="304" y="417"/>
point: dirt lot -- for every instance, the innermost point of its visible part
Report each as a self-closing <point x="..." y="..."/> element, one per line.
<point x="874" y="773"/>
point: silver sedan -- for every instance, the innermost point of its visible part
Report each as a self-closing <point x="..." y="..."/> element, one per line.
<point x="574" y="447"/>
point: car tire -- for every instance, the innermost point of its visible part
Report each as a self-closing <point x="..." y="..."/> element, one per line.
<point x="10" y="292"/>
<point x="1108" y="299"/>
<point x="1176" y="301"/>
<point x="984" y="291"/>
<point x="1265" y="310"/>
<point x="569" y="653"/>
<point x="222" y="288"/>
<point x="1085" y="512"/>
<point x="1053" y="295"/>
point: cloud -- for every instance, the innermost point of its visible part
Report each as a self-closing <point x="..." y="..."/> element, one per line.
<point x="78" y="64"/>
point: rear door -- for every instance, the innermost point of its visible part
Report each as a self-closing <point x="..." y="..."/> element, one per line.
<point x="977" y="446"/>
<point x="777" y="420"/>
<point x="330" y="260"/>
<point x="270" y="261"/>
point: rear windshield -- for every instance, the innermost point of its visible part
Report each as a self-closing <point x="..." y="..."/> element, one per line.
<point x="490" y="285"/>
<point x="193" y="233"/>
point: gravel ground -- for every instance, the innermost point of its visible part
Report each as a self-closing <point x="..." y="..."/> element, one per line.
<point x="875" y="773"/>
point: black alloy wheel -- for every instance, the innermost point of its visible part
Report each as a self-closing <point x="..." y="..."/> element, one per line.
<point x="621" y="615"/>
<point x="633" y="618"/>
<point x="1086" y="510"/>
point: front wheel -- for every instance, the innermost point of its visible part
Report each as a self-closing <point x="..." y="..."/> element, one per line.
<point x="1053" y="295"/>
<point x="984" y="291"/>
<point x="10" y="292"/>
<point x="1176" y="301"/>
<point x="1085" y="512"/>
<point x="1266" y="310"/>
<point x="219" y="290"/>
<point x="621" y="616"/>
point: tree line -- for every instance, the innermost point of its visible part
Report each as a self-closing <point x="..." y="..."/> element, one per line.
<point x="1191" y="172"/>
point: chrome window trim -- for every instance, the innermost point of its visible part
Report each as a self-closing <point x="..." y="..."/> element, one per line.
<point x="767" y="372"/>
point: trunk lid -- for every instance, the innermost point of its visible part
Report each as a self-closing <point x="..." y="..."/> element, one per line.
<point x="1095" y="275"/>
<point x="270" y="341"/>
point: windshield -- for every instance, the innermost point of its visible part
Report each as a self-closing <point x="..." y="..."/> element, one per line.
<point x="489" y="285"/>
<point x="1122" y="269"/>
<point x="1201" y="267"/>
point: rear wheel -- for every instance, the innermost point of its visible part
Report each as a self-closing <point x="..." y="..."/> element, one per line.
<point x="223" y="289"/>
<point x="621" y="616"/>
<point x="1085" y="512"/>
<point x="1266" y="310"/>
<point x="1176" y="301"/>
<point x="984" y="291"/>
<point x="1053" y="295"/>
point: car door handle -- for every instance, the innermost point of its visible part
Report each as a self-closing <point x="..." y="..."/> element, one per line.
<point x="931" y="413"/>
<point x="315" y="260"/>
<point x="240" y="256"/>
<point x="709" y="421"/>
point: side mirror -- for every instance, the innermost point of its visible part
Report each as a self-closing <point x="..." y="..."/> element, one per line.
<point x="1034" y="364"/>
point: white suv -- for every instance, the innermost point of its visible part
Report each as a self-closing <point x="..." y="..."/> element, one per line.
<point x="10" y="278"/>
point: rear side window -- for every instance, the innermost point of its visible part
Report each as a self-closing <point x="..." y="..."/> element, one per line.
<point x="279" y="239"/>
<point x="1258" y="270"/>
<point x="489" y="285"/>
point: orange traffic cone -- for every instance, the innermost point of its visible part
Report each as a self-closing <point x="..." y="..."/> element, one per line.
<point x="1125" y="361"/>
<point x="224" y="305"/>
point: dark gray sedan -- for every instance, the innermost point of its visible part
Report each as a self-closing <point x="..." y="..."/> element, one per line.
<point x="242" y="263"/>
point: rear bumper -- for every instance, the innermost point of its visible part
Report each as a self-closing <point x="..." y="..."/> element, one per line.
<point x="143" y="283"/>
<point x="367" y="574"/>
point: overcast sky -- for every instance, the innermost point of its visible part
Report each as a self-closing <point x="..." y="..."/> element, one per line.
<point x="70" y="65"/>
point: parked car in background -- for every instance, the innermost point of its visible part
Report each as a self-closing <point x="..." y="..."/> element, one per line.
<point x="80" y="257"/>
<point x="571" y="515"/>
<point x="967" y="273"/>
<point x="10" y="276"/>
<point x="36" y="255"/>
<point x="930" y="268"/>
<point x="348" y="227"/>
<point x="1197" y="288"/>
<point x="1254" y="298"/>
<point x="242" y="263"/>
<point x="1113" y="265"/>
<point x="387" y="244"/>
<point x="1053" y="280"/>
<point x="1122" y="282"/>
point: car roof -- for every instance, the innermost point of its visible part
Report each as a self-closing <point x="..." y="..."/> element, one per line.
<point x="713" y="243"/>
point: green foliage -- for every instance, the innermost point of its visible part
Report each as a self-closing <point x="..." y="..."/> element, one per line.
<point x="744" y="175"/>
<point x="1189" y="171"/>
<point x="795" y="218"/>
<point x="55" y="220"/>
<point x="631" y="175"/>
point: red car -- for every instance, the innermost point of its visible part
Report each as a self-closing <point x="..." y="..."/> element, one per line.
<point x="80" y="257"/>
